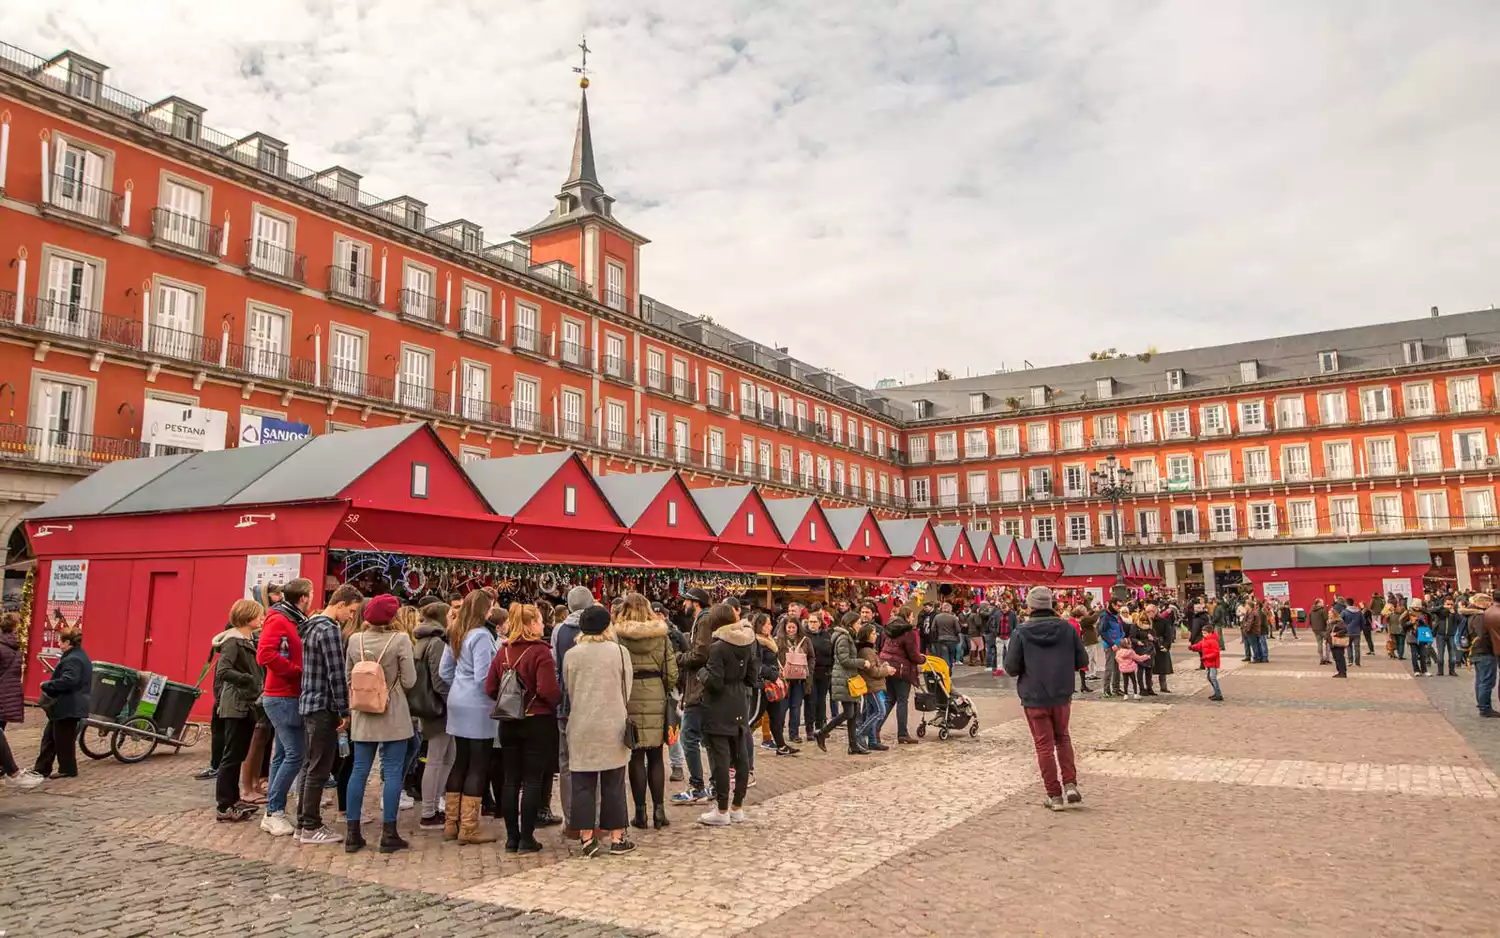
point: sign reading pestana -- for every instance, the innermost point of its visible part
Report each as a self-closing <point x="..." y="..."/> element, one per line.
<point x="168" y="423"/>
<point x="256" y="429"/>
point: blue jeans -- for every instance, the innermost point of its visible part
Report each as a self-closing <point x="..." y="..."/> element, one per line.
<point x="1484" y="681"/>
<point x="1213" y="680"/>
<point x="1263" y="648"/>
<point x="796" y="693"/>
<point x="990" y="647"/>
<point x="873" y="716"/>
<point x="392" y="761"/>
<point x="692" y="746"/>
<point x="286" y="754"/>
<point x="674" y="752"/>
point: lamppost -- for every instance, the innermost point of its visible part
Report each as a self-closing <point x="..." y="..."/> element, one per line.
<point x="1112" y="481"/>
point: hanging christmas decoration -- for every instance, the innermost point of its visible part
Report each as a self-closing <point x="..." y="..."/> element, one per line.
<point x="28" y="592"/>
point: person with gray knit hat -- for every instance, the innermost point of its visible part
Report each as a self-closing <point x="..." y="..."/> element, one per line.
<point x="1043" y="655"/>
<point x="564" y="637"/>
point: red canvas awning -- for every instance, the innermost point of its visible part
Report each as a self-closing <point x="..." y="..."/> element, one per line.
<point x="746" y="538"/>
<point x="914" y="550"/>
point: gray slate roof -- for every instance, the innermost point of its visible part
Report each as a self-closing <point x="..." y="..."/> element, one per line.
<point x="947" y="537"/>
<point x="631" y="493"/>
<point x="508" y="484"/>
<point x="787" y="513"/>
<point x="1089" y="565"/>
<point x="718" y="505"/>
<point x="1360" y="348"/>
<point x="845" y="523"/>
<point x="903" y="535"/>
<point x="1003" y="544"/>
<point x="1365" y="554"/>
<point x="314" y="469"/>
<point x="978" y="541"/>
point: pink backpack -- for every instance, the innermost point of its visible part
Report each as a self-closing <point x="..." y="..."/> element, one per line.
<point x="368" y="692"/>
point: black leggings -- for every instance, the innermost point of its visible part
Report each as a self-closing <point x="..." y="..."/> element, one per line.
<point x="646" y="771"/>
<point x="7" y="760"/>
<point x="471" y="765"/>
<point x="725" y="752"/>
<point x="776" y="710"/>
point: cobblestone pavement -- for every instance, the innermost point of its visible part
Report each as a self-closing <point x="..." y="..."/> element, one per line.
<point x="1250" y="816"/>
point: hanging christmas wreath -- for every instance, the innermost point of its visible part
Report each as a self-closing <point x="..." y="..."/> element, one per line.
<point x="414" y="580"/>
<point x="547" y="582"/>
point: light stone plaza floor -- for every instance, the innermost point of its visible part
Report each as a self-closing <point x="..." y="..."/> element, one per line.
<point x="1302" y="805"/>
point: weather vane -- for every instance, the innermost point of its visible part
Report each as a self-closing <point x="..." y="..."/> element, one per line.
<point x="582" y="69"/>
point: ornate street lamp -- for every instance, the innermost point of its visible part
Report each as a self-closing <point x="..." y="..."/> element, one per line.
<point x="1112" y="481"/>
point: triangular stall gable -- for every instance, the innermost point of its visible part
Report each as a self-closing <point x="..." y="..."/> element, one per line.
<point x="747" y="538"/>
<point x="1051" y="559"/>
<point x="1031" y="561"/>
<point x="558" y="514"/>
<point x="858" y="534"/>
<point x="1012" y="565"/>
<point x="955" y="549"/>
<point x="811" y="548"/>
<point x="986" y="559"/>
<point x="666" y="527"/>
<point x="914" y="549"/>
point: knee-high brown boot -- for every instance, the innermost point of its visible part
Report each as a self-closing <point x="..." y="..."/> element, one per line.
<point x="469" y="831"/>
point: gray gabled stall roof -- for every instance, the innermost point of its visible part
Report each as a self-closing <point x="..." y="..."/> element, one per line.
<point x="630" y="493"/>
<point x="1355" y="554"/>
<point x="719" y="505"/>
<point x="1003" y="544"/>
<point x="1026" y="546"/>
<point x="947" y="538"/>
<point x="903" y="535"/>
<point x="787" y="514"/>
<point x="312" y="469"/>
<point x="979" y="541"/>
<point x="1089" y="565"/>
<point x="509" y="484"/>
<point x="845" y="523"/>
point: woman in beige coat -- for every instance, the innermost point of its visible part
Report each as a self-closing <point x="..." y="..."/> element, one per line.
<point x="598" y="677"/>
<point x="388" y="732"/>
<point x="640" y="632"/>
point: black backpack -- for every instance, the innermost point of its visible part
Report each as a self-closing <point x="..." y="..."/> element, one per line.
<point x="423" y="700"/>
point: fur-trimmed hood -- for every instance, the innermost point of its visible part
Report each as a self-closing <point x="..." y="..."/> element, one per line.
<point x="735" y="633"/>
<point x="656" y="628"/>
<point x="769" y="643"/>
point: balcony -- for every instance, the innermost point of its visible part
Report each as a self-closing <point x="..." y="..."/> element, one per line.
<point x="480" y="326"/>
<point x="575" y="357"/>
<point x="1224" y="535"/>
<point x="657" y="381"/>
<point x="684" y="389"/>
<point x="479" y="410"/>
<point x="976" y="452"/>
<point x="1184" y="537"/>
<point x="187" y="347"/>
<point x="1472" y="464"/>
<point x="718" y="401"/>
<point x="946" y="455"/>
<point x="1219" y="480"/>
<point x="274" y="263"/>
<point x="77" y="322"/>
<point x="1011" y="496"/>
<point x="1105" y="441"/>
<point x="414" y="396"/>
<point x="268" y="363"/>
<point x="616" y="300"/>
<point x="1173" y="433"/>
<point x="1218" y="430"/>
<point x="619" y="370"/>
<point x="528" y="341"/>
<point x="353" y="288"/>
<point x="524" y="418"/>
<point x="184" y="235"/>
<point x="353" y="383"/>
<point x="1421" y="465"/>
<point x="72" y="200"/>
<point x="419" y="308"/>
<point x="1141" y="436"/>
<point x="58" y="448"/>
<point x="917" y="457"/>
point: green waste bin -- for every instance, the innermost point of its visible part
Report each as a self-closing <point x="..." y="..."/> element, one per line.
<point x="174" y="707"/>
<point x="115" y="690"/>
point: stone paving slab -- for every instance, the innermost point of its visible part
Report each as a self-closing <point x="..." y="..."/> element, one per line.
<point x="1433" y="781"/>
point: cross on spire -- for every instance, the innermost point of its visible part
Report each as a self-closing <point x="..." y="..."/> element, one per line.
<point x="582" y="69"/>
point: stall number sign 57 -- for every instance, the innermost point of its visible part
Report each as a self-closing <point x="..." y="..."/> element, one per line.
<point x="152" y="695"/>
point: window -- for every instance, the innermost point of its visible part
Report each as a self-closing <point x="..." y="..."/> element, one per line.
<point x="1416" y="399"/>
<point x="1011" y="527"/>
<point x="1143" y="474"/>
<point x="1148" y="526"/>
<point x="1426" y="454"/>
<point x="271" y="245"/>
<point x="573" y="425"/>
<point x="419" y="480"/>
<point x="1184" y="523"/>
<point x="682" y="440"/>
<point x="656" y="434"/>
<point x="765" y="459"/>
<point x="1328" y="362"/>
<point x="784" y="463"/>
<point x="1249" y="371"/>
<point x="1338" y="460"/>
<point x="1463" y="394"/>
<point x="1380" y="456"/>
<point x="528" y="336"/>
<point x="1217" y="470"/>
<point x="923" y="409"/>
<point x="880" y="442"/>
<point x="1106" y="430"/>
<point x="1075" y="482"/>
<point x="72" y="284"/>
<point x="1333" y="408"/>
<point x="346" y="361"/>
<point x="947" y="491"/>
<point x="920" y="492"/>
<point x="1468" y="449"/>
<point x="79" y="185"/>
<point x="1257" y="466"/>
<point x="838" y="476"/>
<point x="1106" y="529"/>
<point x="976" y="403"/>
<point x="1007" y="441"/>
<point x="1252" y="416"/>
<point x="573" y="350"/>
<point x="671" y="512"/>
<point x="1179" y="473"/>
<point x="947" y="446"/>
<point x="1215" y="419"/>
<point x="836" y="428"/>
<point x="916" y="448"/>
<point x="416" y="378"/>
<point x="866" y="437"/>
<point x="1174" y="379"/>
<point x="683" y="388"/>
<point x="1140" y="427"/>
<point x="570" y="499"/>
<point x="1041" y="482"/>
<point x="1038" y="437"/>
<point x="474" y="385"/>
<point x="476" y="311"/>
<point x="749" y="524"/>
<point x="1078" y="530"/>
<point x="825" y="474"/>
<point x="265" y="341"/>
<point x="1044" y="528"/>
<point x="1479" y="507"/>
<point x="975" y="524"/>
<point x="1375" y="403"/>
<point x="804" y="469"/>
<point x="716" y="449"/>
<point x="1458" y="346"/>
<point x="524" y="405"/>
<point x="1290" y="414"/>
<point x="1302" y="516"/>
<point x="1010" y="485"/>
<point x="174" y="323"/>
<point x="979" y="488"/>
<point x="1343" y="516"/>
<point x="614" y="424"/>
<point x="976" y="443"/>
<point x="61" y="409"/>
<point x="1072" y="433"/>
<point x="1039" y="396"/>
<point x="656" y="369"/>
<point x="1411" y="350"/>
<point x="417" y="297"/>
<point x="1104" y="388"/>
<point x="820" y="420"/>
<point x="1263" y="519"/>
<point x="1432" y="510"/>
<point x="716" y="390"/>
<point x="468" y="455"/>
<point x="614" y="285"/>
<point x="1178" y="424"/>
<point x="181" y="219"/>
<point x="1221" y="522"/>
<point x="1386" y="513"/>
<point x="853" y="432"/>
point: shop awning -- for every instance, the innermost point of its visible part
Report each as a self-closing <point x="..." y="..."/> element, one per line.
<point x="958" y="560"/>
<point x="857" y="531"/>
<point x="666" y="529"/>
<point x="986" y="559"/>
<point x="915" y="554"/>
<point x="747" y="541"/>
<point x="557" y="512"/>
<point x="811" y="549"/>
<point x="1051" y="557"/>
<point x="1012" y="565"/>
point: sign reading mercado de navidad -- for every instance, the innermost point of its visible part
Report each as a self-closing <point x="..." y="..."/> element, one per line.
<point x="165" y="544"/>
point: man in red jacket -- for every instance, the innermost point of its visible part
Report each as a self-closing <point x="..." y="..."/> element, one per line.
<point x="280" y="653"/>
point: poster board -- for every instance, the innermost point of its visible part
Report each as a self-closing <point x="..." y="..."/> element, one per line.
<point x="1396" y="586"/>
<point x="270" y="568"/>
<point x="67" y="586"/>
<point x="1278" y="590"/>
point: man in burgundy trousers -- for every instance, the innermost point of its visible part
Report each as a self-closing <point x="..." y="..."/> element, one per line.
<point x="1043" y="655"/>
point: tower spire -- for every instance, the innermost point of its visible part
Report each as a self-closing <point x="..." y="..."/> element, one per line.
<point x="581" y="169"/>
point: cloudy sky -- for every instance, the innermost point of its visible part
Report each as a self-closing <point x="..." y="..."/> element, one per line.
<point x="889" y="187"/>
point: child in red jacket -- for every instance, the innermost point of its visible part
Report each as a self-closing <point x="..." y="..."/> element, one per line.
<point x="1208" y="647"/>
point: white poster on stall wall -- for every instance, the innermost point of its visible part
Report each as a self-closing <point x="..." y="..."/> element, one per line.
<point x="261" y="569"/>
<point x="1098" y="593"/>
<point x="1277" y="590"/>
<point x="1396" y="586"/>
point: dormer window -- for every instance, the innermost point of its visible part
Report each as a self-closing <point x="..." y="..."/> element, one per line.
<point x="923" y="409"/>
<point x="1039" y="396"/>
<point x="1411" y="351"/>
<point x="1458" y="346"/>
<point x="977" y="403"/>
<point x="416" y="217"/>
<point x="1328" y="362"/>
<point x="1174" y="379"/>
<point x="1249" y="371"/>
<point x="1104" y="388"/>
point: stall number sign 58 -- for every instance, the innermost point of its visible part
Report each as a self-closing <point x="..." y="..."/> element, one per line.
<point x="351" y="519"/>
<point x="152" y="695"/>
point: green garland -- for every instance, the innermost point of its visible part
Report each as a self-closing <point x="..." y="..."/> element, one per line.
<point x="28" y="592"/>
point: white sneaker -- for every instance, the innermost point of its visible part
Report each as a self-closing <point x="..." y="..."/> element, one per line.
<point x="276" y="824"/>
<point x="319" y="837"/>
<point x="714" y="818"/>
<point x="737" y="816"/>
<point x="26" y="779"/>
<point x="407" y="802"/>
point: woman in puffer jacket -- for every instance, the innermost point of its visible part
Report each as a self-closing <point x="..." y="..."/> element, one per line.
<point x="900" y="651"/>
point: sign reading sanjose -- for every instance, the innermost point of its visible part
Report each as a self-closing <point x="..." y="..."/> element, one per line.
<point x="183" y="426"/>
<point x="256" y="429"/>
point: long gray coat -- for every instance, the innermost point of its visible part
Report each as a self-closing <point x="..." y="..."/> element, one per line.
<point x="599" y="678"/>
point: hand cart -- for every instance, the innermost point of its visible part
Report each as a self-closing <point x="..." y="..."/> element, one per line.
<point x="132" y="712"/>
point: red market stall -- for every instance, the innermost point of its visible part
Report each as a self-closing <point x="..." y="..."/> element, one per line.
<point x="1051" y="557"/>
<point x="986" y="558"/>
<point x="958" y="559"/>
<point x="1032" y="566"/>
<point x="746" y="537"/>
<point x="914" y="550"/>
<point x="666" y="529"/>
<point x="857" y="531"/>
<point x="1301" y="573"/>
<point x="557" y="512"/>
<point x="811" y="548"/>
<point x="1012" y="565"/>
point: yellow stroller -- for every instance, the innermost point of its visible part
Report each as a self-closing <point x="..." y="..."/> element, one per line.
<point x="949" y="712"/>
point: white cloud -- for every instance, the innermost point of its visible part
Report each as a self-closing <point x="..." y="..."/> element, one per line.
<point x="885" y="186"/>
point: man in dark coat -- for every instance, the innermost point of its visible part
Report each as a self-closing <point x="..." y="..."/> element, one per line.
<point x="70" y="687"/>
<point x="695" y="603"/>
<point x="1043" y="655"/>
